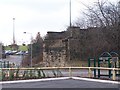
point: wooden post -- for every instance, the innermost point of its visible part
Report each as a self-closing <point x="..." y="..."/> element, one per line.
<point x="70" y="72"/>
<point x="89" y="73"/>
<point x="114" y="75"/>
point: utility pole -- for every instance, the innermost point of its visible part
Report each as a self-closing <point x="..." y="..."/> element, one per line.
<point x="70" y="12"/>
<point x="13" y="31"/>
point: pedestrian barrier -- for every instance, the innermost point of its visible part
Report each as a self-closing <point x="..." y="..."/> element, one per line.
<point x="106" y="60"/>
<point x="45" y="72"/>
<point x="4" y="64"/>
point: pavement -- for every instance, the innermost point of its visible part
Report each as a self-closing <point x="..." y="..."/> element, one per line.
<point x="64" y="82"/>
<point x="16" y="59"/>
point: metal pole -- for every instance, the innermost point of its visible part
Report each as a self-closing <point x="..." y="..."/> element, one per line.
<point x="31" y="47"/>
<point x="94" y="66"/>
<point x="109" y="65"/>
<point x="119" y="65"/>
<point x="1" y="51"/>
<point x="70" y="13"/>
<point x="0" y="64"/>
<point x="13" y="30"/>
<point x="98" y="66"/>
<point x="89" y="62"/>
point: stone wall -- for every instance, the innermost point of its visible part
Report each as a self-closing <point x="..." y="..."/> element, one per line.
<point x="55" y="55"/>
<point x="61" y="47"/>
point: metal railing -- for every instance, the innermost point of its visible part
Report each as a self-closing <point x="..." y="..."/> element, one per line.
<point x="44" y="72"/>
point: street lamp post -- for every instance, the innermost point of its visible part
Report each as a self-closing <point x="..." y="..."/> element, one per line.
<point x="1" y="51"/>
<point x="30" y="46"/>
<point x="70" y="12"/>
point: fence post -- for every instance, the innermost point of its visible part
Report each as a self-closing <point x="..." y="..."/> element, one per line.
<point x="114" y="74"/>
<point x="4" y="66"/>
<point x="109" y="65"/>
<point x="94" y="69"/>
<point x="0" y="74"/>
<point x="8" y="64"/>
<point x="70" y="72"/>
<point x="119" y="67"/>
<point x="0" y="64"/>
<point x="89" y="62"/>
<point x="98" y="66"/>
<point x="89" y="73"/>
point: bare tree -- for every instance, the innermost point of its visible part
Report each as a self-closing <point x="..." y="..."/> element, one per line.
<point x="104" y="17"/>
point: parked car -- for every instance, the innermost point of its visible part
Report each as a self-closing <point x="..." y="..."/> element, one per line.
<point x="20" y="53"/>
<point x="8" y="52"/>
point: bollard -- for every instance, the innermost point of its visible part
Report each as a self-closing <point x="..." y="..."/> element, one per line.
<point x="114" y="74"/>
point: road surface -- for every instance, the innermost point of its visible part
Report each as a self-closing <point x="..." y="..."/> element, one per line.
<point x="65" y="83"/>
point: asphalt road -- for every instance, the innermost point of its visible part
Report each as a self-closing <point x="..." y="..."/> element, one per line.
<point x="68" y="83"/>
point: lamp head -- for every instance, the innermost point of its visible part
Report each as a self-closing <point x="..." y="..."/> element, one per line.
<point x="24" y="32"/>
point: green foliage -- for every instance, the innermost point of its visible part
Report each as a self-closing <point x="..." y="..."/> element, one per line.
<point x="31" y="74"/>
<point x="3" y="75"/>
<point x="53" y="71"/>
<point x="8" y="48"/>
<point x="39" y="73"/>
<point x="17" y="73"/>
<point x="43" y="74"/>
<point x="11" y="76"/>
<point x="59" y="73"/>
<point x="36" y="49"/>
<point x="26" y="74"/>
<point x="23" y="48"/>
<point x="37" y="46"/>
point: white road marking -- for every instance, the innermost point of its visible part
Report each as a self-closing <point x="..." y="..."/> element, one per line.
<point x="60" y="78"/>
<point x="96" y="80"/>
<point x="33" y="80"/>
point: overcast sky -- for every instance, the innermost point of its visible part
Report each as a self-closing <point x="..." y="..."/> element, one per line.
<point x="36" y="16"/>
